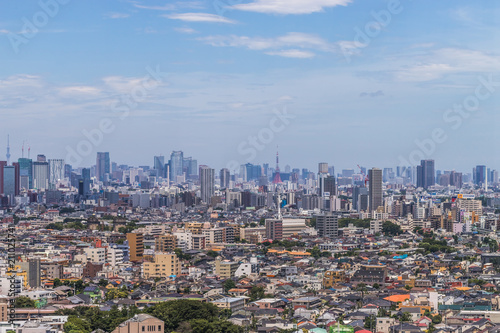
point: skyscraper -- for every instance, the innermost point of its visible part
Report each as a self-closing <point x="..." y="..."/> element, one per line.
<point x="26" y="173"/>
<point x="479" y="174"/>
<point x="40" y="175"/>
<point x="11" y="181"/>
<point x="322" y="174"/>
<point x="425" y="174"/>
<point x="103" y="165"/>
<point x="159" y="165"/>
<point x="224" y="178"/>
<point x="56" y="172"/>
<point x="176" y="164"/>
<point x="207" y="178"/>
<point x="375" y="188"/>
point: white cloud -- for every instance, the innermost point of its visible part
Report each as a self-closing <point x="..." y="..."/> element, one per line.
<point x="76" y="91"/>
<point x="4" y="32"/>
<point x="186" y="30"/>
<point x="121" y="84"/>
<point x="290" y="6"/>
<point x="293" y="54"/>
<point x="199" y="17"/>
<point x="292" y="45"/>
<point x="117" y="15"/>
<point x="171" y="6"/>
<point x="442" y="62"/>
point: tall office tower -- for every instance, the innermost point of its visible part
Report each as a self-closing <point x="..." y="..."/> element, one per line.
<point x="425" y="174"/>
<point x="305" y="173"/>
<point x="207" y="180"/>
<point x="56" y="172"/>
<point x="456" y="179"/>
<point x="68" y="169"/>
<point x="40" y="175"/>
<point x="493" y="177"/>
<point x="102" y="166"/>
<point x="176" y="161"/>
<point x="265" y="169"/>
<point x="159" y="165"/>
<point x="190" y="166"/>
<point x="3" y="164"/>
<point x="375" y="189"/>
<point x="331" y="170"/>
<point x="26" y="173"/>
<point x="322" y="167"/>
<point x="357" y="191"/>
<point x="479" y="174"/>
<point x="327" y="225"/>
<point x="136" y="246"/>
<point x="84" y="183"/>
<point x="330" y="185"/>
<point x="11" y="181"/>
<point x="224" y="178"/>
<point x="322" y="174"/>
<point x="41" y="158"/>
<point x="253" y="172"/>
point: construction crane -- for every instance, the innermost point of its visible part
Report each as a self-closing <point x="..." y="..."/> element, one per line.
<point x="364" y="176"/>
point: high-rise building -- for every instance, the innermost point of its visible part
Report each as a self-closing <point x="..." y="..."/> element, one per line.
<point x="56" y="172"/>
<point x="479" y="174"/>
<point x="84" y="183"/>
<point x="357" y="191"/>
<point x="327" y="225"/>
<point x="190" y="166"/>
<point x="159" y="165"/>
<point x="330" y="185"/>
<point x="322" y="167"/>
<point x="40" y="175"/>
<point x="375" y="188"/>
<point x="207" y="181"/>
<point x="41" y="158"/>
<point x="425" y="174"/>
<point x="136" y="246"/>
<point x="225" y="177"/>
<point x="103" y="166"/>
<point x="3" y="164"/>
<point x="11" y="181"/>
<point x="26" y="173"/>
<point x="176" y="164"/>
<point x="322" y="174"/>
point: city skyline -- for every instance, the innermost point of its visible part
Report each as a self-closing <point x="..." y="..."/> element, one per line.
<point x="216" y="76"/>
<point x="312" y="166"/>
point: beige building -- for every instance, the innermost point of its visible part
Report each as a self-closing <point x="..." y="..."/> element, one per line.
<point x="471" y="206"/>
<point x="164" y="265"/>
<point x="141" y="323"/>
<point x="225" y="269"/>
<point x="165" y="243"/>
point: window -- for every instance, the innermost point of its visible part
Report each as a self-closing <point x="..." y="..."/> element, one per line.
<point x="144" y="328"/>
<point x="159" y="328"/>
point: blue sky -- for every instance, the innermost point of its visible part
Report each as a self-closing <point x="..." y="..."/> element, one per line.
<point x="363" y="80"/>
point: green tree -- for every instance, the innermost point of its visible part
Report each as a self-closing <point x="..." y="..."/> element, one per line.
<point x="229" y="284"/>
<point x="175" y="312"/>
<point x="256" y="293"/>
<point x="212" y="253"/>
<point x="24" y="302"/>
<point x="391" y="229"/>
<point x="57" y="283"/>
<point x="370" y="322"/>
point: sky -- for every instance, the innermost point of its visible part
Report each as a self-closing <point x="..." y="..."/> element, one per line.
<point x="379" y="83"/>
